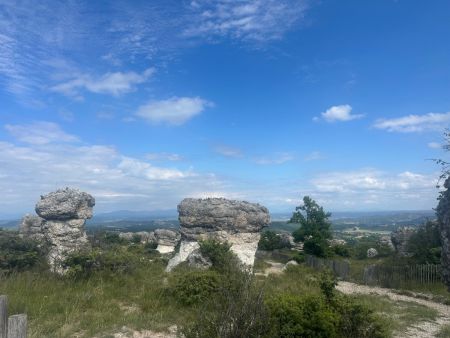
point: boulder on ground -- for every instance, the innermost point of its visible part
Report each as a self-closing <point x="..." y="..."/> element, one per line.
<point x="167" y="240"/>
<point x="372" y="252"/>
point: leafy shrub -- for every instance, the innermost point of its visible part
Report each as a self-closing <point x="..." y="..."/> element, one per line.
<point x="219" y="253"/>
<point x="236" y="310"/>
<point x="85" y="264"/>
<point x="341" y="250"/>
<point x="195" y="286"/>
<point x="301" y="316"/>
<point x="19" y="254"/>
<point x="316" y="246"/>
<point x="270" y="241"/>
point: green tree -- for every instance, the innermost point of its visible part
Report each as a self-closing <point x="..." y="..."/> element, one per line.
<point x="315" y="228"/>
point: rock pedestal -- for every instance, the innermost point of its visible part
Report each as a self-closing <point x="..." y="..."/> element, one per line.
<point x="61" y="220"/>
<point x="236" y="222"/>
<point x="443" y="214"/>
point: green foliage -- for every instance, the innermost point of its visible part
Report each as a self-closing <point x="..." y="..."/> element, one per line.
<point x="195" y="287"/>
<point x="270" y="241"/>
<point x="301" y="316"/>
<point x="315" y="228"/>
<point x="236" y="310"/>
<point x="360" y="246"/>
<point x="425" y="244"/>
<point x="86" y="263"/>
<point x="107" y="239"/>
<point x="313" y="221"/>
<point x="341" y="250"/>
<point x="327" y="285"/>
<point x="19" y="254"/>
<point x="219" y="254"/>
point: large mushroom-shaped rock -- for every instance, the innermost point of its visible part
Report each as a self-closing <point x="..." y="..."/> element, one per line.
<point x="237" y="222"/>
<point x="65" y="204"/>
<point x="443" y="214"/>
<point x="64" y="213"/>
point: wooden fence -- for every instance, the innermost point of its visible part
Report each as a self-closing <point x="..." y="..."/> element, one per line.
<point x="396" y="276"/>
<point x="340" y="268"/>
<point x="13" y="326"/>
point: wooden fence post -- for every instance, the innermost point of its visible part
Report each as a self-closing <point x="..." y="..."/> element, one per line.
<point x="17" y="326"/>
<point x="3" y="316"/>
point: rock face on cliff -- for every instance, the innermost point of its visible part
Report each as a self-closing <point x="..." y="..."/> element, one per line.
<point x="443" y="214"/>
<point x="238" y="223"/>
<point x="400" y="238"/>
<point x="62" y="215"/>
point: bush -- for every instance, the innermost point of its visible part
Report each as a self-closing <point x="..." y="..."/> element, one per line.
<point x="270" y="241"/>
<point x="317" y="247"/>
<point x="19" y="254"/>
<point x="219" y="254"/>
<point x="195" y="286"/>
<point x="301" y="316"/>
<point x="85" y="264"/>
<point x="341" y="250"/>
<point x="236" y="310"/>
<point x="425" y="244"/>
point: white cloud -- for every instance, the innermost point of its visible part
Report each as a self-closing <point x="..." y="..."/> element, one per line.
<point x="40" y="132"/>
<point x="415" y="123"/>
<point x="250" y="20"/>
<point x="314" y="156"/>
<point x="228" y="151"/>
<point x="278" y="158"/>
<point x="116" y="83"/>
<point x="174" y="111"/>
<point x="116" y="181"/>
<point x="434" y="145"/>
<point x="339" y="113"/>
<point x="163" y="157"/>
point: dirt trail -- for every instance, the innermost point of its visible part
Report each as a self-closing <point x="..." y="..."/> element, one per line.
<point x="423" y="329"/>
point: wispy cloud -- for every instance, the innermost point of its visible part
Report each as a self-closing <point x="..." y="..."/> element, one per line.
<point x="39" y="133"/>
<point x="174" y="111"/>
<point x="163" y="157"/>
<point x="255" y="20"/>
<point x="415" y="123"/>
<point x="340" y="113"/>
<point x="434" y="145"/>
<point x="228" y="151"/>
<point x="116" y="83"/>
<point x="314" y="156"/>
<point x="278" y="158"/>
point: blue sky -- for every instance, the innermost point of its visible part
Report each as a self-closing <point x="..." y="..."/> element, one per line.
<point x="143" y="103"/>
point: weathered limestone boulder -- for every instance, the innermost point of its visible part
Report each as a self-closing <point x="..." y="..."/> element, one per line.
<point x="443" y="214"/>
<point x="372" y="252"/>
<point x="386" y="241"/>
<point x="167" y="240"/>
<point x="400" y="238"/>
<point x="144" y="236"/>
<point x="62" y="216"/>
<point x="64" y="204"/>
<point x="31" y="227"/>
<point x="238" y="223"/>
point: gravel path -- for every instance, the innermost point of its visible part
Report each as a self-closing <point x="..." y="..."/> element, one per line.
<point x="423" y="329"/>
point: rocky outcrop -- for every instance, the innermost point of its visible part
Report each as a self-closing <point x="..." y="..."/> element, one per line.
<point x="65" y="204"/>
<point x="443" y="214"/>
<point x="61" y="220"/>
<point x="167" y="240"/>
<point x="238" y="223"/>
<point x="31" y="227"/>
<point x="400" y="238"/>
